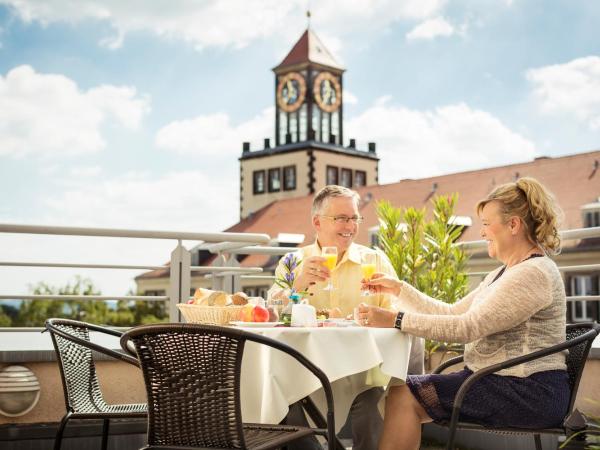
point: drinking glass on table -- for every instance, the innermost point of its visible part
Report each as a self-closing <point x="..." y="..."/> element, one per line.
<point x="330" y="255"/>
<point x="368" y="265"/>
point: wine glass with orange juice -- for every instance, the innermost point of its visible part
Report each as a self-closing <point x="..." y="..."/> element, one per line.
<point x="368" y="266"/>
<point x="330" y="254"/>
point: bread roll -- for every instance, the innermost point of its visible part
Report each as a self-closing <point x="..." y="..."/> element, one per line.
<point x="217" y="298"/>
<point x="239" y="298"/>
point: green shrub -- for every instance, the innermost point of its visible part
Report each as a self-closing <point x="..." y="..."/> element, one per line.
<point x="423" y="253"/>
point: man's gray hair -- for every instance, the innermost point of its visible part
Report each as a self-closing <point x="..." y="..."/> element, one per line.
<point x="331" y="191"/>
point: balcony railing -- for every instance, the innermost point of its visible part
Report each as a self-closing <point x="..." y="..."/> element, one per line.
<point x="225" y="272"/>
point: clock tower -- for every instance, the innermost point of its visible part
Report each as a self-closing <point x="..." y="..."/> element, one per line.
<point x="308" y="93"/>
<point x="308" y="151"/>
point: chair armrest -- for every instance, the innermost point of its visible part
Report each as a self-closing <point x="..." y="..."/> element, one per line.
<point x="52" y="328"/>
<point x="460" y="395"/>
<point x="448" y="363"/>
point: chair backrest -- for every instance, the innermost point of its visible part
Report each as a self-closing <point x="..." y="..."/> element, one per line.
<point x="77" y="368"/>
<point x="578" y="354"/>
<point x="191" y="368"/>
<point x="192" y="375"/>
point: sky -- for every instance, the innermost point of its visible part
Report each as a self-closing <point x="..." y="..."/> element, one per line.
<point x="132" y="114"/>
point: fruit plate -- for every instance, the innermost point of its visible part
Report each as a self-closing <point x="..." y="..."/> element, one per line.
<point x="238" y="323"/>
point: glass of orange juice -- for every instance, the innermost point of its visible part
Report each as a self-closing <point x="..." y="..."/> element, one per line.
<point x="368" y="266"/>
<point x="330" y="255"/>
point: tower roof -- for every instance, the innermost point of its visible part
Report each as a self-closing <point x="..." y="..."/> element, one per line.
<point x="309" y="49"/>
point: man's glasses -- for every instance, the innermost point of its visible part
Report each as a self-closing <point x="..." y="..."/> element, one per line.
<point x="344" y="219"/>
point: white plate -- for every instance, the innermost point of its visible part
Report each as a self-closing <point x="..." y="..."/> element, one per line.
<point x="255" y="324"/>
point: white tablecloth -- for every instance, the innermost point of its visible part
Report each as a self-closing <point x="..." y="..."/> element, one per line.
<point x="353" y="358"/>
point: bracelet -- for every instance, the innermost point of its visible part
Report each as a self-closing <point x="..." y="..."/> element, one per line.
<point x="398" y="323"/>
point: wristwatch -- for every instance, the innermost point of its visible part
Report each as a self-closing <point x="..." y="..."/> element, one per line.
<point x="398" y="323"/>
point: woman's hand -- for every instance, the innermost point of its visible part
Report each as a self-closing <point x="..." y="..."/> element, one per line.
<point x="381" y="283"/>
<point x="374" y="316"/>
<point x="311" y="272"/>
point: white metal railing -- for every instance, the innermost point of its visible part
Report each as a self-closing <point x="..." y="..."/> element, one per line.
<point x="179" y="265"/>
<point x="225" y="272"/>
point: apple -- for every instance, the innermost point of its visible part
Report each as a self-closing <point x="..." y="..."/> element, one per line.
<point x="247" y="313"/>
<point x="260" y="314"/>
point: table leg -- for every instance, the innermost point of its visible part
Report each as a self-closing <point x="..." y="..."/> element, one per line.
<point x="317" y="417"/>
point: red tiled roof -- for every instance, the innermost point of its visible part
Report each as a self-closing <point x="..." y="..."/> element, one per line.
<point x="572" y="179"/>
<point x="309" y="49"/>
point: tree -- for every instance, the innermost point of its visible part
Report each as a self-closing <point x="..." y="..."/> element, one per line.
<point x="33" y="313"/>
<point x="423" y="253"/>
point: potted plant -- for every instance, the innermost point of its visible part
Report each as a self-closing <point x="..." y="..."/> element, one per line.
<point x="423" y="253"/>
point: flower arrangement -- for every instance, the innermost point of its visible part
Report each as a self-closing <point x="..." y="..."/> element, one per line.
<point x="286" y="280"/>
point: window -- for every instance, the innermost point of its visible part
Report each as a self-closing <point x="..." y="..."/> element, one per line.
<point x="591" y="214"/>
<point x="274" y="180"/>
<point x="256" y="291"/>
<point x="374" y="236"/>
<point x="583" y="285"/>
<point x="346" y="178"/>
<point x="360" y="178"/>
<point x="303" y="124"/>
<point x="282" y="126"/>
<point x="294" y="126"/>
<point x="332" y="175"/>
<point x="289" y="178"/>
<point x="335" y="129"/>
<point x="591" y="219"/>
<point x="258" y="182"/>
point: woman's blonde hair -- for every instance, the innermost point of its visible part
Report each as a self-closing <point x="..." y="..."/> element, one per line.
<point x="529" y="200"/>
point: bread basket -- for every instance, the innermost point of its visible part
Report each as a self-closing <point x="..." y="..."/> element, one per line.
<point x="210" y="315"/>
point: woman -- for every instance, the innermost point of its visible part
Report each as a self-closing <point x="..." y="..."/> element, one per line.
<point x="517" y="309"/>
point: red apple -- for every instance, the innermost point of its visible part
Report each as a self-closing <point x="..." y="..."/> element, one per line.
<point x="260" y="314"/>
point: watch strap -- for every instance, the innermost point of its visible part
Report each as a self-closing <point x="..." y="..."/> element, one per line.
<point x="398" y="322"/>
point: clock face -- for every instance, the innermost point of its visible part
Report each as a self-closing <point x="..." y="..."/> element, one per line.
<point x="328" y="92"/>
<point x="291" y="91"/>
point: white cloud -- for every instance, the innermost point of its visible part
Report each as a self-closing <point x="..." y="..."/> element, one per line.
<point x="572" y="88"/>
<point x="85" y="171"/>
<point x="225" y="23"/>
<point x="47" y="114"/>
<point x="452" y="138"/>
<point x="214" y="134"/>
<point x="177" y="201"/>
<point x="430" y="29"/>
<point x="192" y="200"/>
<point x="349" y="98"/>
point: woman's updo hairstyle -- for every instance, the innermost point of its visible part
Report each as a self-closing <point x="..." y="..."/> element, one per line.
<point x="534" y="205"/>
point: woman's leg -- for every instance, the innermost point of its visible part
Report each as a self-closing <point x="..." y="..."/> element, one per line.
<point x="403" y="418"/>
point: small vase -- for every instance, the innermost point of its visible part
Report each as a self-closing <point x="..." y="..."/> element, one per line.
<point x="286" y="312"/>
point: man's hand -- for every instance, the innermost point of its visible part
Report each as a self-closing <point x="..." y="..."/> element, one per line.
<point x="374" y="316"/>
<point x="312" y="271"/>
<point x="381" y="283"/>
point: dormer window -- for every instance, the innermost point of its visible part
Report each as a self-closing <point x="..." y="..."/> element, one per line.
<point x="591" y="214"/>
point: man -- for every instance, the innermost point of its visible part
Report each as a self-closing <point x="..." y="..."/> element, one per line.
<point x="336" y="219"/>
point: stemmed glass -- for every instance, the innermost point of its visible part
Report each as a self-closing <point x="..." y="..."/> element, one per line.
<point x="368" y="265"/>
<point x="330" y="254"/>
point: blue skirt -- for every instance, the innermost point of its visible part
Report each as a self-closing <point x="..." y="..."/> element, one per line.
<point x="540" y="400"/>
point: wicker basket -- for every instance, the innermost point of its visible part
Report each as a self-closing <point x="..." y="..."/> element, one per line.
<point x="213" y="315"/>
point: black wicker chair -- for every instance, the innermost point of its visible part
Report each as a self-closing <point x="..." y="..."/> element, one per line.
<point x="579" y="341"/>
<point x="192" y="374"/>
<point x="83" y="397"/>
